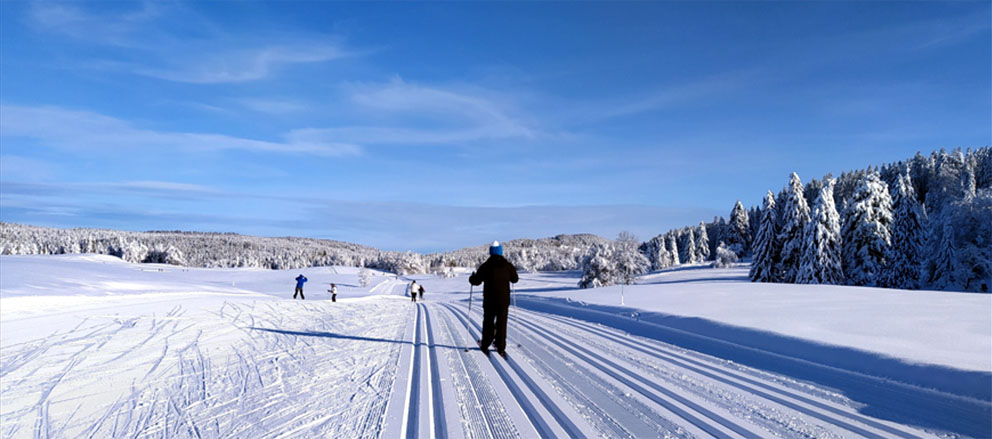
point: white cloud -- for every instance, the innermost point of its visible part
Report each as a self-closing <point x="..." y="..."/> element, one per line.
<point x="85" y="131"/>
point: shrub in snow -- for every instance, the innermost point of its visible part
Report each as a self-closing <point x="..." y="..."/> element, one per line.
<point x="821" y="259"/>
<point x="764" y="262"/>
<point x="725" y="257"/>
<point x="598" y="268"/>
<point x="866" y="235"/>
<point x="364" y="277"/>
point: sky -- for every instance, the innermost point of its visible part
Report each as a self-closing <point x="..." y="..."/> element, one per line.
<point x="435" y="126"/>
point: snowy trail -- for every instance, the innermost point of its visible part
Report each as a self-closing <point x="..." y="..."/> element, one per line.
<point x="292" y="369"/>
<point x="205" y="365"/>
<point x="766" y="400"/>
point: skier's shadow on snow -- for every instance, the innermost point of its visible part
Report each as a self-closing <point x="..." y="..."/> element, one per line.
<point x="356" y="338"/>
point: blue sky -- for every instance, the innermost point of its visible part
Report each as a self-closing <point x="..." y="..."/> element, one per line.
<point x="433" y="126"/>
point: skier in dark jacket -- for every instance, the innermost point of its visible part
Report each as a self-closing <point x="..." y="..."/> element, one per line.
<point x="496" y="273"/>
<point x="300" y="280"/>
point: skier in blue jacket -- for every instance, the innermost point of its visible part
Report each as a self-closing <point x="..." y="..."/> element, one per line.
<point x="299" y="286"/>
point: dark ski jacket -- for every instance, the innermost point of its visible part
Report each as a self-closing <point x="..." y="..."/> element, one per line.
<point x="300" y="280"/>
<point x="497" y="273"/>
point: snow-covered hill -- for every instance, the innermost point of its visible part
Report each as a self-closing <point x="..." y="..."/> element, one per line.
<point x="92" y="346"/>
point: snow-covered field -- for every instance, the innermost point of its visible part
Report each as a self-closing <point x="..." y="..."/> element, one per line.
<point x="91" y="346"/>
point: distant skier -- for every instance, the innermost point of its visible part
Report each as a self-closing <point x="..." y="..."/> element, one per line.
<point x="497" y="273"/>
<point x="421" y="291"/>
<point x="334" y="292"/>
<point x="414" y="288"/>
<point x="300" y="280"/>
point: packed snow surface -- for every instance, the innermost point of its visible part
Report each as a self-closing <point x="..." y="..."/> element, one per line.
<point x="92" y="346"/>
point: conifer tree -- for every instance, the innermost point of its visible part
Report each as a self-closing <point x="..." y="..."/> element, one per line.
<point x="739" y="233"/>
<point x="765" y="249"/>
<point x="866" y="231"/>
<point x="790" y="235"/>
<point x="702" y="243"/>
<point x="821" y="258"/>
<point x="673" y="249"/>
<point x="690" y="247"/>
<point x="908" y="228"/>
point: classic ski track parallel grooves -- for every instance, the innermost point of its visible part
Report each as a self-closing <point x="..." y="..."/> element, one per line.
<point x="488" y="402"/>
<point x="646" y="417"/>
<point x="539" y="424"/>
<point x="473" y="417"/>
<point x="822" y="410"/>
<point x="679" y="407"/>
<point x="437" y="397"/>
<point x="413" y="402"/>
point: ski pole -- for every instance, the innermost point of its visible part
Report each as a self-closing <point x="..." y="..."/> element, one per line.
<point x="516" y="318"/>
<point x="471" y="289"/>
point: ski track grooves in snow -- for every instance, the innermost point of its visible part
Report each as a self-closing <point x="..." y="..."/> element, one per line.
<point x="744" y="383"/>
<point x="437" y="398"/>
<point x="413" y="403"/>
<point x="539" y="424"/>
<point x="486" y="397"/>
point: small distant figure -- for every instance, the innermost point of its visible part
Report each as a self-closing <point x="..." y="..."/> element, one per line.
<point x="300" y="280"/>
<point x="421" y="291"/>
<point x="334" y="292"/>
<point x="414" y="289"/>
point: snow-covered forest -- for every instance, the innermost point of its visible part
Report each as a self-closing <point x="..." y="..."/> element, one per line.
<point x="925" y="222"/>
<point x="225" y="250"/>
<point x="917" y="223"/>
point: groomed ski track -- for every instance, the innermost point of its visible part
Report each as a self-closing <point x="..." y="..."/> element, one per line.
<point x="396" y="369"/>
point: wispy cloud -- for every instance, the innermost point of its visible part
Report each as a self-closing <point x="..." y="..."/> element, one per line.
<point x="85" y="131"/>
<point x="171" y="42"/>
<point x="421" y="114"/>
<point x="241" y="65"/>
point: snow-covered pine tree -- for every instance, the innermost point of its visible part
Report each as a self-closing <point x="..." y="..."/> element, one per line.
<point x="652" y="249"/>
<point x="795" y="215"/>
<point x="739" y="230"/>
<point x="754" y="216"/>
<point x="702" y="243"/>
<point x="765" y="249"/>
<point x="942" y="264"/>
<point x="673" y="249"/>
<point x="866" y="231"/>
<point x="821" y="259"/>
<point x="689" y="247"/>
<point x="947" y="185"/>
<point x="909" y="224"/>
<point x="973" y="241"/>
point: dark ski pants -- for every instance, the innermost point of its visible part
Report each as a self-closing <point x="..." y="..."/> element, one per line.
<point x="300" y="292"/>
<point x="494" y="327"/>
